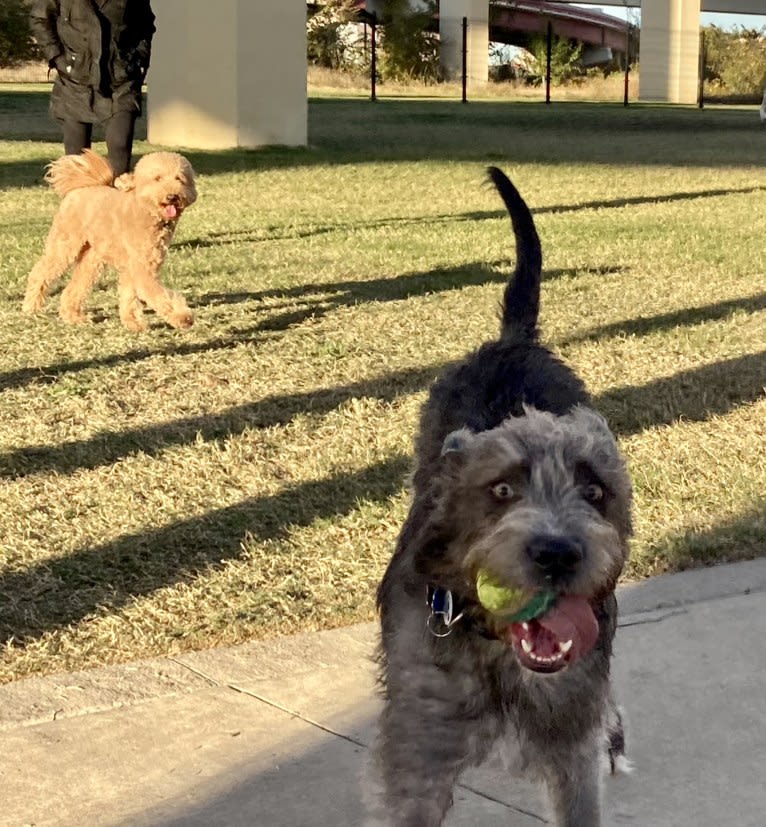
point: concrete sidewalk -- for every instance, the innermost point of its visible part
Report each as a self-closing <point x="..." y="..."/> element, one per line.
<point x="274" y="734"/>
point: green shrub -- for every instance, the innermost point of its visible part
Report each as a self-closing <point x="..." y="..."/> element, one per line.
<point x="409" y="46"/>
<point x="566" y="59"/>
<point x="735" y="61"/>
<point x="16" y="44"/>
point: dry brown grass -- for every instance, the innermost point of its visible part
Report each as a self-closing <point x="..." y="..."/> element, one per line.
<point x="595" y="88"/>
<point x="30" y="72"/>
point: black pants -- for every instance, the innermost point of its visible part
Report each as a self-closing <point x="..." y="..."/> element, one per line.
<point x="118" y="130"/>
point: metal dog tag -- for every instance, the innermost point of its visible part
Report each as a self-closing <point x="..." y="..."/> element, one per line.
<point x="441" y="620"/>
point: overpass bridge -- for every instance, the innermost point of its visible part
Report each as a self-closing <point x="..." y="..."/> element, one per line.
<point x="514" y="21"/>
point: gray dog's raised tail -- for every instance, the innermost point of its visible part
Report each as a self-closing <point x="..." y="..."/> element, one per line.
<point x="521" y="301"/>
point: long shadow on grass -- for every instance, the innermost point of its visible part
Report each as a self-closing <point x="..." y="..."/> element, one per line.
<point x="636" y="200"/>
<point x="644" y="325"/>
<point x="399" y="287"/>
<point x="257" y="236"/>
<point x="64" y="590"/>
<point x="27" y="173"/>
<point x="742" y="537"/>
<point x="695" y="394"/>
<point x="386" y="289"/>
<point x="48" y="374"/>
<point x="314" y="299"/>
<point x="107" y="447"/>
<point x="345" y="131"/>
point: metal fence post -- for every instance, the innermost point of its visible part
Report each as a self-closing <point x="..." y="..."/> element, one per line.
<point x="548" y="54"/>
<point x="627" y="64"/>
<point x="373" y="56"/>
<point x="464" y="74"/>
<point x="703" y="62"/>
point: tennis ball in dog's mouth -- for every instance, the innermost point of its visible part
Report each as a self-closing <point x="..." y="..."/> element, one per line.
<point x="497" y="597"/>
<point x="513" y="604"/>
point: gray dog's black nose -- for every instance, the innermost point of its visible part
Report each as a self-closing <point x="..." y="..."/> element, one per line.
<point x="555" y="555"/>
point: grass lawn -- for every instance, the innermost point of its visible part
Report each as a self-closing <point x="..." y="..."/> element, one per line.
<point x="246" y="478"/>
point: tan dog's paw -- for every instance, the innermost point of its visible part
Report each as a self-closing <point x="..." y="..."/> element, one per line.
<point x="134" y="325"/>
<point x="32" y="304"/>
<point x="181" y="319"/>
<point x="179" y="316"/>
<point x="70" y="316"/>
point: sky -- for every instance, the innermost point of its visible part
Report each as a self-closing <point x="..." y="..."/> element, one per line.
<point x="728" y="21"/>
<point x="723" y="21"/>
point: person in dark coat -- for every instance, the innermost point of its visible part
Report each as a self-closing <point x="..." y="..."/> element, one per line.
<point x="100" y="50"/>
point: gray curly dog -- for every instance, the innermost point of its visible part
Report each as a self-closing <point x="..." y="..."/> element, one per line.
<point x="518" y="476"/>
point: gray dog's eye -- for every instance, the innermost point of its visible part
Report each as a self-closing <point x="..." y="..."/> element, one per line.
<point x="593" y="493"/>
<point x="502" y="491"/>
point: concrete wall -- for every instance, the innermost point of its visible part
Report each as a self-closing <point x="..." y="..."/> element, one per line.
<point x="451" y="14"/>
<point x="669" y="58"/>
<point x="228" y="73"/>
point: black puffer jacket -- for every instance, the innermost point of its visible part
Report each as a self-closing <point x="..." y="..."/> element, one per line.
<point x="100" y="50"/>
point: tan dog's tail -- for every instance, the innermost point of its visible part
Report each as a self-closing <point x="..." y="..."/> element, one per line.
<point x="72" y="172"/>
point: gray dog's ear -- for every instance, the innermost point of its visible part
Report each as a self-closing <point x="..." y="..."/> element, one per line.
<point x="456" y="442"/>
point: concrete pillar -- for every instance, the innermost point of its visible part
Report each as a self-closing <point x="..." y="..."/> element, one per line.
<point x="451" y="14"/>
<point x="669" y="58"/>
<point x="228" y="73"/>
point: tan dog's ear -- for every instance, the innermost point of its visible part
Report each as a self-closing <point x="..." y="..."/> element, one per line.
<point x="125" y="182"/>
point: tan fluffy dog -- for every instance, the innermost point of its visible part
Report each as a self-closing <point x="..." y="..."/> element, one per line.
<point x="127" y="223"/>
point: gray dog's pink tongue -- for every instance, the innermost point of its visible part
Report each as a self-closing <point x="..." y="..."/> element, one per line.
<point x="572" y="618"/>
<point x="170" y="211"/>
